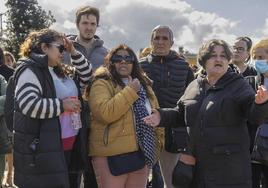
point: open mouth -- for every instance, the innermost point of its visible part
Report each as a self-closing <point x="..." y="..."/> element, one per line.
<point x="218" y="65"/>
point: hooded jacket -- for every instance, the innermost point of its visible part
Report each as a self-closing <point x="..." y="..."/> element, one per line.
<point x="96" y="54"/>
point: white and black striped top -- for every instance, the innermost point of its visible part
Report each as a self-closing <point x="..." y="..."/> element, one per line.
<point x="83" y="69"/>
<point x="28" y="92"/>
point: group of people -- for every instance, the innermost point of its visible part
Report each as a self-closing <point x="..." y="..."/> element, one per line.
<point x="83" y="112"/>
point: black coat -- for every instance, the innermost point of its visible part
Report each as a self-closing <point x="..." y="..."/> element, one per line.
<point x="170" y="75"/>
<point x="219" y="138"/>
<point x="44" y="165"/>
<point x="6" y="71"/>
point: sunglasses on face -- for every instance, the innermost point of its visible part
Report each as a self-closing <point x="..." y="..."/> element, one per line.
<point x="60" y="47"/>
<point x="118" y="58"/>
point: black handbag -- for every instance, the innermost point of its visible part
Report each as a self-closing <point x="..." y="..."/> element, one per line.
<point x="176" y="139"/>
<point x="182" y="175"/>
<point x="260" y="148"/>
<point x="125" y="163"/>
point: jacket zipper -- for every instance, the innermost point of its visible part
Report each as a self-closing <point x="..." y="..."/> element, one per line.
<point x="135" y="128"/>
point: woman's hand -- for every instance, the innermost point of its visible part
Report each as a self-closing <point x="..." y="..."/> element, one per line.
<point x="68" y="44"/>
<point x="153" y="119"/>
<point x="187" y="159"/>
<point x="134" y="83"/>
<point x="71" y="104"/>
<point x="261" y="95"/>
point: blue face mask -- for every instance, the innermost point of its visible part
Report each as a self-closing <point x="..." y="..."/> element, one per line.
<point x="261" y="66"/>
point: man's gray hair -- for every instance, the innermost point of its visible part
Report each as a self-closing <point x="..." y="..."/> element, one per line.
<point x="163" y="27"/>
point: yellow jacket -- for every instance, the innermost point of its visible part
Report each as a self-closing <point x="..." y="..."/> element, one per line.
<point x="111" y="106"/>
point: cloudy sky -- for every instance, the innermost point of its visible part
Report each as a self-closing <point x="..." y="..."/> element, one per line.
<point x="193" y="21"/>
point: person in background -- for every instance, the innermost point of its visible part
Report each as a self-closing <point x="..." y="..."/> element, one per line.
<point x="194" y="68"/>
<point x="241" y="56"/>
<point x="170" y="75"/>
<point x="87" y="20"/>
<point x="87" y="42"/>
<point x="39" y="159"/>
<point x="5" y="71"/>
<point x="260" y="52"/>
<point x="216" y="107"/>
<point x="9" y="59"/>
<point x="120" y="95"/>
<point x="145" y="52"/>
<point x="5" y="142"/>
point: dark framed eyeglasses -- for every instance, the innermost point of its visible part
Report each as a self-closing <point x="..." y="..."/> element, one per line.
<point x="60" y="47"/>
<point x="238" y="49"/>
<point x="118" y="58"/>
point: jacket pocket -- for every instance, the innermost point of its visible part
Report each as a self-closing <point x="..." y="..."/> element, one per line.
<point x="230" y="165"/>
<point x="226" y="149"/>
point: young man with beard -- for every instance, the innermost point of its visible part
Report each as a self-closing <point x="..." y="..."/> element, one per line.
<point x="87" y="21"/>
<point x="91" y="46"/>
<point x="170" y="75"/>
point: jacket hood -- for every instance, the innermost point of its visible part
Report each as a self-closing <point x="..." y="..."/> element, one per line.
<point x="227" y="78"/>
<point x="101" y="73"/>
<point x="97" y="41"/>
<point x="38" y="60"/>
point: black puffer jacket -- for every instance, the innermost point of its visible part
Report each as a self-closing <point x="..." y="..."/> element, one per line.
<point x="39" y="164"/>
<point x="218" y="129"/>
<point x="170" y="75"/>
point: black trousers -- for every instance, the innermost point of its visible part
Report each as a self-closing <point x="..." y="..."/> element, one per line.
<point x="259" y="175"/>
<point x="89" y="177"/>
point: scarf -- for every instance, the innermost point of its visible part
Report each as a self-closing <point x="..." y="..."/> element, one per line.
<point x="145" y="134"/>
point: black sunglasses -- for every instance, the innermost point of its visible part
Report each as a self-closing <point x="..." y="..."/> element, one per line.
<point x="60" y="47"/>
<point x="118" y="58"/>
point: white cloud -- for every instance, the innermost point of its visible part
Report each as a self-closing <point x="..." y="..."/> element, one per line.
<point x="131" y="21"/>
<point x="265" y="29"/>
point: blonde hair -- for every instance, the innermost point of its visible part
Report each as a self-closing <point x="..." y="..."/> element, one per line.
<point x="146" y="51"/>
<point x="261" y="44"/>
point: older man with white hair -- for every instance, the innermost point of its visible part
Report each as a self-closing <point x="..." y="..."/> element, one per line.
<point x="170" y="74"/>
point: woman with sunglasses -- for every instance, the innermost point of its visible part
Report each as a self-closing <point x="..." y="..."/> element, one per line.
<point x="122" y="147"/>
<point x="46" y="103"/>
